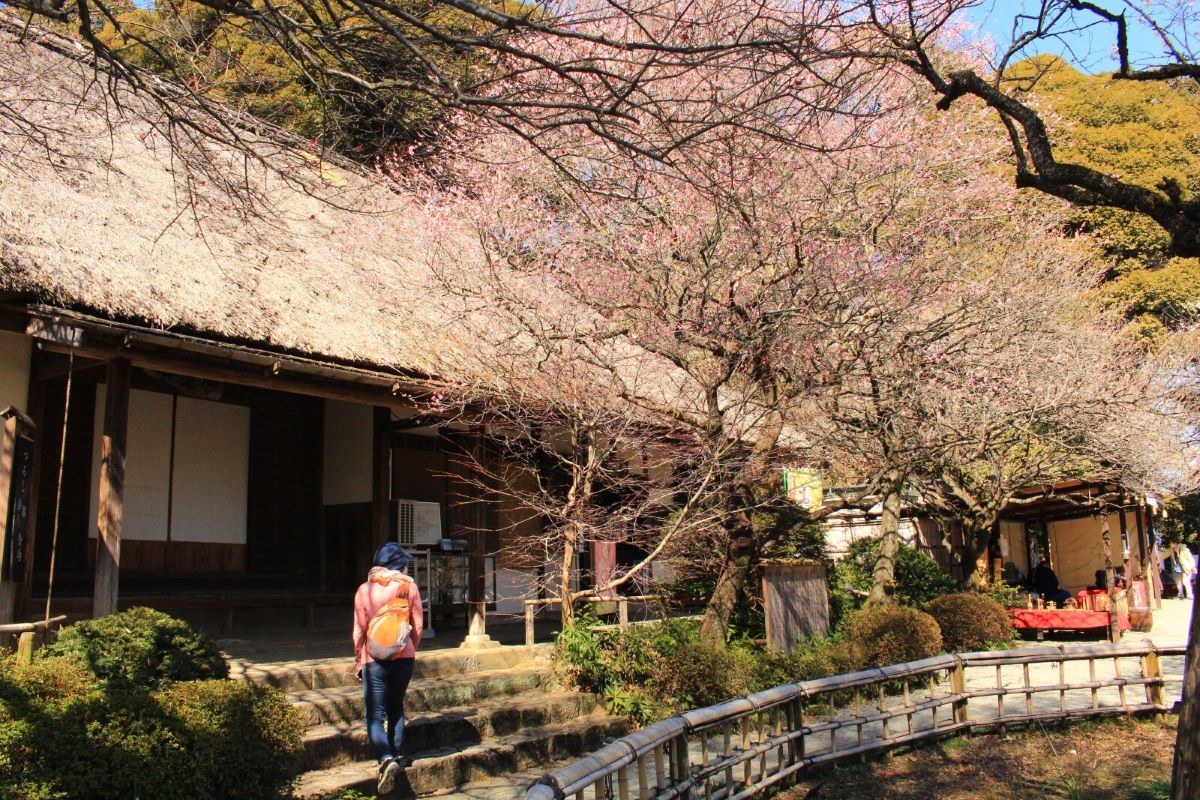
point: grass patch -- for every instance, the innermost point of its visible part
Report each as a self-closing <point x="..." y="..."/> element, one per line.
<point x="1120" y="759"/>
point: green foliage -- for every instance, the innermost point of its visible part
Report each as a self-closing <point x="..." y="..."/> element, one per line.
<point x="919" y="579"/>
<point x="140" y="647"/>
<point x="886" y="635"/>
<point x="1151" y="790"/>
<point x="261" y="757"/>
<point x="65" y="733"/>
<point x="651" y="671"/>
<point x="1007" y="596"/>
<point x="1146" y="133"/>
<point x="243" y="64"/>
<point x="1183" y="522"/>
<point x="970" y="621"/>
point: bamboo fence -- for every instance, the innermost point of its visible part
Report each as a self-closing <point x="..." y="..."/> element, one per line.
<point x="738" y="748"/>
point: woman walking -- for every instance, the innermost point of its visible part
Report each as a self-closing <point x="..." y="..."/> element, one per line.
<point x="387" y="633"/>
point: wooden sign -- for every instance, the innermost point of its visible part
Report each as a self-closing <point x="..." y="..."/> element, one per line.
<point x="16" y="486"/>
<point x="796" y="601"/>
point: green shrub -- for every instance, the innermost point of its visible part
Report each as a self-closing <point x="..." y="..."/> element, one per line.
<point x="66" y="733"/>
<point x="919" y="579"/>
<point x="970" y="621"/>
<point x="885" y="635"/>
<point x="260" y="760"/>
<point x="141" y="647"/>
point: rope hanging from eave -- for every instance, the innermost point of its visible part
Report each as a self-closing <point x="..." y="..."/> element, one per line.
<point x="62" y="457"/>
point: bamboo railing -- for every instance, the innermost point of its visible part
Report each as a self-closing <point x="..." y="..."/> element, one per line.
<point x="622" y="602"/>
<point x="740" y="747"/>
<point x="26" y="633"/>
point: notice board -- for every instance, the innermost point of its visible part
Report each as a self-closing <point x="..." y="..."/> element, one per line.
<point x="796" y="601"/>
<point x="16" y="487"/>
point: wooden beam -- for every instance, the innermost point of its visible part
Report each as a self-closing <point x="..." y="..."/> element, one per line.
<point x="364" y="394"/>
<point x="112" y="488"/>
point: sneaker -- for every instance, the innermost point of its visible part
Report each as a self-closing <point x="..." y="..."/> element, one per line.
<point x="388" y="772"/>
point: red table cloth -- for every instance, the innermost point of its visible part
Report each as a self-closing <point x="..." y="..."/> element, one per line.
<point x="1050" y="619"/>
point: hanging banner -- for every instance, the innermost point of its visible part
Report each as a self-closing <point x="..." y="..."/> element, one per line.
<point x="604" y="562"/>
<point x="803" y="487"/>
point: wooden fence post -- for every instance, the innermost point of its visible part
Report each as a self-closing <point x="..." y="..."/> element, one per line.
<point x="958" y="685"/>
<point x="25" y="648"/>
<point x="623" y="613"/>
<point x="679" y="763"/>
<point x="1152" y="668"/>
<point x="530" y="636"/>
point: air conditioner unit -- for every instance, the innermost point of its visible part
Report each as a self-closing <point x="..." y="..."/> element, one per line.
<point x="418" y="522"/>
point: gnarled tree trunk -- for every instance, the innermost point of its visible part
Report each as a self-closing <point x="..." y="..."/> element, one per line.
<point x="883" y="575"/>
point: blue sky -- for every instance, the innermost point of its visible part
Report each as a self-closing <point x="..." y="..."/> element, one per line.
<point x="1093" y="49"/>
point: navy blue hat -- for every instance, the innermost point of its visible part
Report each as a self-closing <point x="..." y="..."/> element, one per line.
<point x="392" y="556"/>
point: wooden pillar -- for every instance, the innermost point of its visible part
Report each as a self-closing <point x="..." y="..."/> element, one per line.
<point x="1146" y="558"/>
<point x="1155" y="562"/>
<point x="381" y="478"/>
<point x="477" y="635"/>
<point x="1124" y="551"/>
<point x="112" y="488"/>
<point x="16" y="482"/>
<point x="1114" y="630"/>
<point x="37" y="410"/>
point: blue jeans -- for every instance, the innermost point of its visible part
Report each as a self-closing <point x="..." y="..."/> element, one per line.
<point x="384" y="686"/>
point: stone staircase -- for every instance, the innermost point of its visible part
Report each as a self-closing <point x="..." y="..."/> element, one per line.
<point x="485" y="719"/>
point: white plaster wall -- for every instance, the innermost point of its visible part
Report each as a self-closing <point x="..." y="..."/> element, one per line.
<point x="349" y="431"/>
<point x="840" y="533"/>
<point x="212" y="472"/>
<point x="14" y="370"/>
<point x="211" y="469"/>
<point x="147" y="465"/>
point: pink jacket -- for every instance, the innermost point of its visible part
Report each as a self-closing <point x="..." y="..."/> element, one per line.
<point x="369" y="598"/>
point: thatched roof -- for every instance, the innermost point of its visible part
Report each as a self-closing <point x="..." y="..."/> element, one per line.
<point x="99" y="212"/>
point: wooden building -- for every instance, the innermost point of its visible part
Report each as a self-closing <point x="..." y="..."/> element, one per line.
<point x="228" y="353"/>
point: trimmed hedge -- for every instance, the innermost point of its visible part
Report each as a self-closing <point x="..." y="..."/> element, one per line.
<point x="886" y="635"/>
<point x="64" y="733"/>
<point x="970" y="621"/>
<point x="112" y="711"/>
<point x="141" y="647"/>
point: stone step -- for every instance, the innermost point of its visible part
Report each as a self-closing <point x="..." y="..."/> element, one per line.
<point x="344" y="704"/>
<point x="329" y="745"/>
<point x="324" y="673"/>
<point x="457" y="768"/>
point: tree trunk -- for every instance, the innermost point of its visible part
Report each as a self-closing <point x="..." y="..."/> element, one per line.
<point x="570" y="548"/>
<point x="1185" y="773"/>
<point x="739" y="560"/>
<point x="884" y="573"/>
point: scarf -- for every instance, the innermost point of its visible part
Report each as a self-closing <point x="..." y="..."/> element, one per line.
<point x="385" y="575"/>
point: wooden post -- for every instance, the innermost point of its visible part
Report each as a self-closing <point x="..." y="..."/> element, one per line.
<point x="530" y="635"/>
<point x="1114" y="631"/>
<point x="1155" y="564"/>
<point x="623" y="613"/>
<point x="381" y="477"/>
<point x="25" y="648"/>
<point x="958" y="685"/>
<point x="112" y="488"/>
<point x="16" y="482"/>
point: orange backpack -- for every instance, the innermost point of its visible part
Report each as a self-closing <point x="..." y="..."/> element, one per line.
<point x="388" y="631"/>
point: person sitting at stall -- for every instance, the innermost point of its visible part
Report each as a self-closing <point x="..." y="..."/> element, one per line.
<point x="1046" y="584"/>
<point x="1101" y="580"/>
